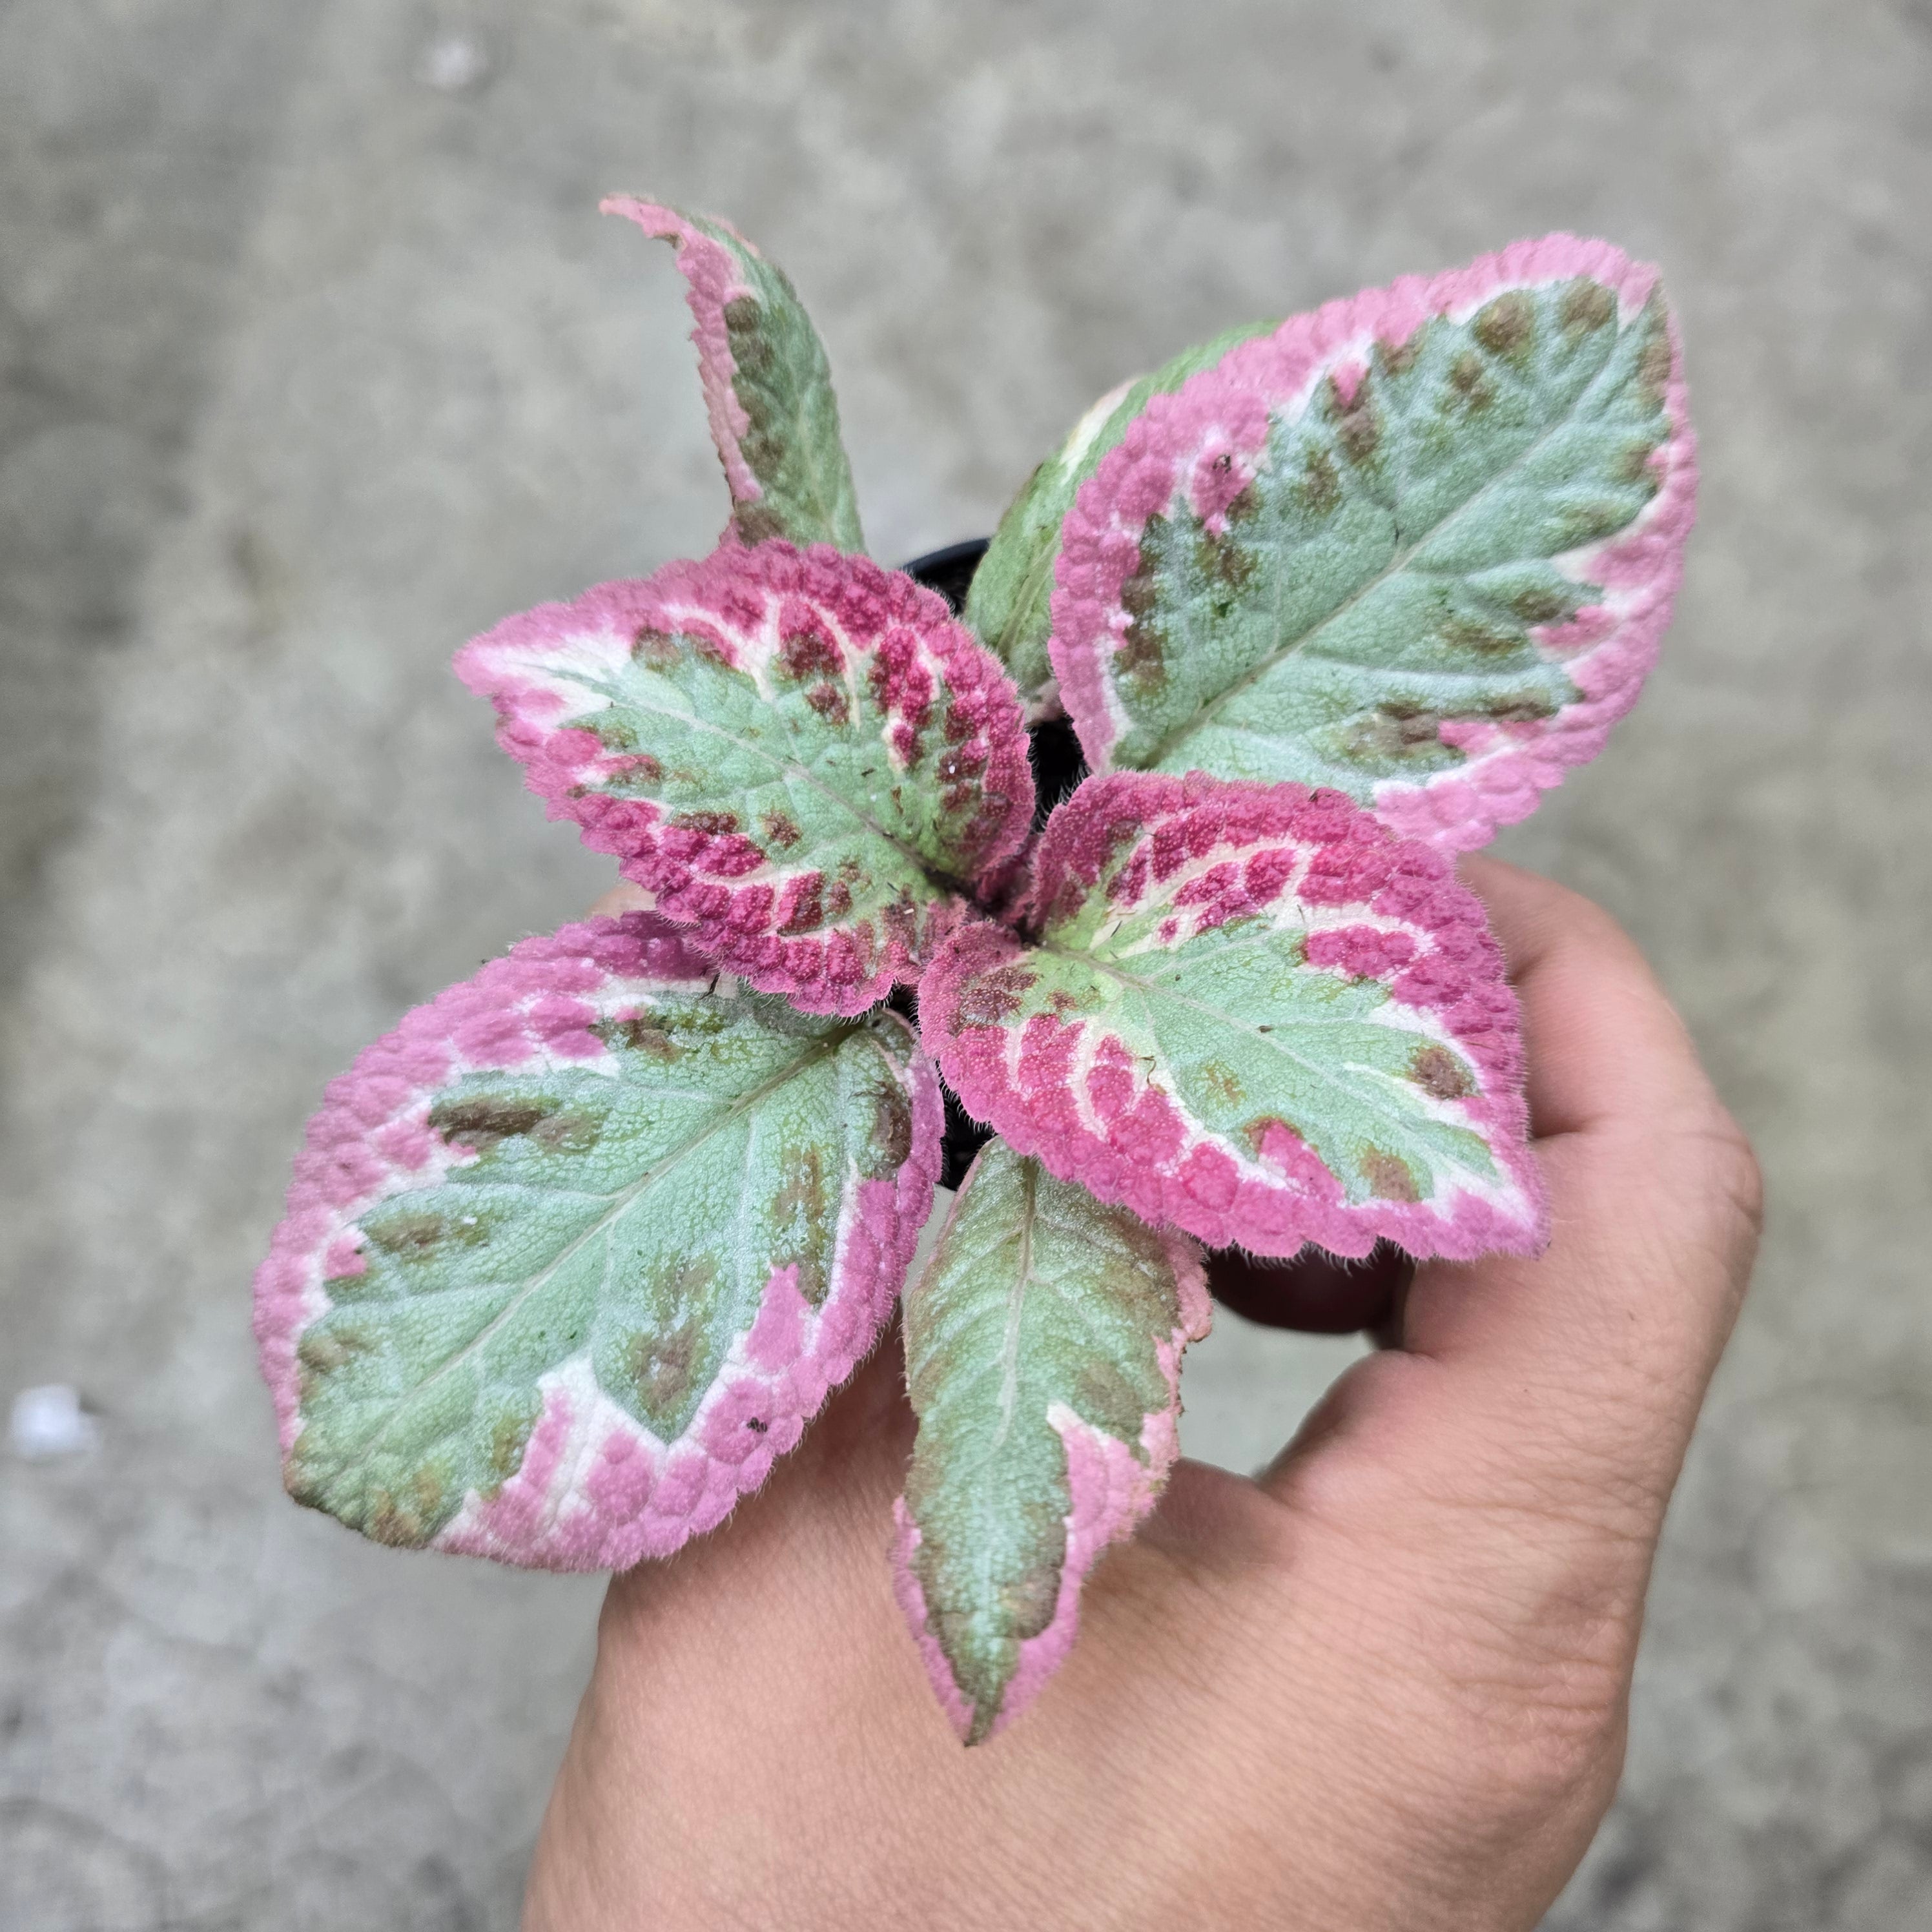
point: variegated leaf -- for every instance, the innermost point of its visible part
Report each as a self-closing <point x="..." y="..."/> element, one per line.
<point x="1420" y="545"/>
<point x="575" y="1252"/>
<point x="803" y="755"/>
<point x="1010" y="602"/>
<point x="766" y="386"/>
<point x="1043" y="1344"/>
<point x="1254" y="1012"/>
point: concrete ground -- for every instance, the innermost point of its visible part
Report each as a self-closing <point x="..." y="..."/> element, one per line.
<point x="315" y="357"/>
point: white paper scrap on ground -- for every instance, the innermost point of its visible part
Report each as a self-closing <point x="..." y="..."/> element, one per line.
<point x="49" y="1421"/>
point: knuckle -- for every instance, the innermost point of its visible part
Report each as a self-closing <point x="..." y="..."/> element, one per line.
<point x="1743" y="1177"/>
<point x="1538" y="1738"/>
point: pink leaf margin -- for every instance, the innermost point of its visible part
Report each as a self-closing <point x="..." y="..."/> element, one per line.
<point x="1379" y="906"/>
<point x="596" y="1490"/>
<point x="713" y="277"/>
<point x="1111" y="1489"/>
<point x="1206" y="438"/>
<point x="743" y="903"/>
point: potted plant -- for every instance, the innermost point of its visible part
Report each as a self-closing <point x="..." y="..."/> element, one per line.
<point x="1145" y="859"/>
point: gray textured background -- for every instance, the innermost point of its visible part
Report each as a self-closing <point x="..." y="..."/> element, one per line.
<point x="309" y="368"/>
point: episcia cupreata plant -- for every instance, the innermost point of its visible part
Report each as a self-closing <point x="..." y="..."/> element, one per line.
<point x="577" y="1251"/>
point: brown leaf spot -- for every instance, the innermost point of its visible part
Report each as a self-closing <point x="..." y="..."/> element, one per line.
<point x="1470" y="380"/>
<point x="1388" y="1177"/>
<point x="1221" y="560"/>
<point x="712" y="824"/>
<point x="639" y="1033"/>
<point x="757" y="522"/>
<point x="480" y="1123"/>
<point x="1525" y="708"/>
<point x="404" y="1520"/>
<point x="801" y="1214"/>
<point x="1506" y="326"/>
<point x="567" y="1133"/>
<point x="1321" y="483"/>
<point x="830" y="702"/>
<point x="1394" y="730"/>
<point x="406" y="1234"/>
<point x="1026" y="1603"/>
<point x="1653" y="367"/>
<point x="809" y="653"/>
<point x="780" y="829"/>
<point x="1585" y="307"/>
<point x="900" y="917"/>
<point x="805" y="1186"/>
<point x="656" y="648"/>
<point x="1398" y="359"/>
<point x="1223" y="1082"/>
<point x="1141" y="655"/>
<point x="1358" y="425"/>
<point x="1467" y="634"/>
<point x="1440" y="1074"/>
<point x="662" y="1362"/>
<point x="509" y="1438"/>
<point x="1586" y="522"/>
<point x="1539" y="605"/>
<point x="321" y="1353"/>
<point x="1140" y="593"/>
<point x="1633" y="465"/>
<point x="993" y="997"/>
<point x="892" y="1125"/>
<point x="808" y="906"/>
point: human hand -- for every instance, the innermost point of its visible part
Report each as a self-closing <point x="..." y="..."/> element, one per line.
<point x="1384" y="1685"/>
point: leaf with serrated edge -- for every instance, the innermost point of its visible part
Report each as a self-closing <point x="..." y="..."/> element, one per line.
<point x="1254" y="1012"/>
<point x="1009" y="603"/>
<point x="577" y="1250"/>
<point x="803" y="755"/>
<point x="1420" y="545"/>
<point x="767" y="389"/>
<point x="1043" y="1344"/>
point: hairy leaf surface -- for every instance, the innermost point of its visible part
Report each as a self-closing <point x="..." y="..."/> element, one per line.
<point x="1009" y="604"/>
<point x="575" y="1252"/>
<point x="1254" y="1012"/>
<point x="1043" y="1345"/>
<point x="1420" y="546"/>
<point x="802" y="755"/>
<point x="767" y="389"/>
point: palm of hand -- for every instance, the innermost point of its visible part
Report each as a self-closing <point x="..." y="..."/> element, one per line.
<point x="1382" y="1685"/>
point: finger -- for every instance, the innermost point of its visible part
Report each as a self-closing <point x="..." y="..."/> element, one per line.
<point x="1317" y="1292"/>
<point x="622" y="898"/>
<point x="1579" y="1371"/>
<point x="1603" y="1041"/>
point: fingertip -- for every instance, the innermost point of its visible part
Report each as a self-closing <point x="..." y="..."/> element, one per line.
<point x="1313" y="1291"/>
<point x="623" y="897"/>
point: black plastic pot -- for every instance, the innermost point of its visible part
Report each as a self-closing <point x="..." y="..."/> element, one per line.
<point x="1057" y="767"/>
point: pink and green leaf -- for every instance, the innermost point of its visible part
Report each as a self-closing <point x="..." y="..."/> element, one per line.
<point x="801" y="754"/>
<point x="1009" y="604"/>
<point x="1252" y="1012"/>
<point x="574" y="1252"/>
<point x="767" y="388"/>
<point x="1043" y="1344"/>
<point x="1420" y="546"/>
